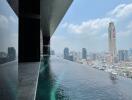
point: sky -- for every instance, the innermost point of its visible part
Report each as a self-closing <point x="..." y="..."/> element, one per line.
<point x="85" y="25"/>
<point x="8" y="27"/>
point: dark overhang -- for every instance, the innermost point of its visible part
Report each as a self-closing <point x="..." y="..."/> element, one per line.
<point x="51" y="12"/>
<point x="14" y="5"/>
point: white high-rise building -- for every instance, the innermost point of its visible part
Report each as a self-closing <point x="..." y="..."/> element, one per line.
<point x="112" y="42"/>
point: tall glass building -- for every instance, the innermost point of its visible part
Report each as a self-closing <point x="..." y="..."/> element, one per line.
<point x="84" y="53"/>
<point x="112" y="42"/>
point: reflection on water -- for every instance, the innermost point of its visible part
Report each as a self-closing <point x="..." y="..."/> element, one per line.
<point x="64" y="80"/>
<point x="45" y="81"/>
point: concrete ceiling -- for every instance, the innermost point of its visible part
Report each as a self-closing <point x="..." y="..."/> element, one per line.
<point x="51" y="13"/>
<point x="14" y="5"/>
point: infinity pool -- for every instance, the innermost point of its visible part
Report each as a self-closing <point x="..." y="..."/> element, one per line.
<point x="65" y="80"/>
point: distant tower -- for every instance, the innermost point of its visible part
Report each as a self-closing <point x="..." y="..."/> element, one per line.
<point x="11" y="53"/>
<point x="66" y="53"/>
<point x="123" y="55"/>
<point x="84" y="53"/>
<point x="112" y="42"/>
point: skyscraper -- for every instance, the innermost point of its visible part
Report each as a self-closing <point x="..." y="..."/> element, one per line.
<point x="84" y="53"/>
<point x="112" y="42"/>
<point x="130" y="52"/>
<point x="66" y="53"/>
<point x="11" y="53"/>
<point x="123" y="55"/>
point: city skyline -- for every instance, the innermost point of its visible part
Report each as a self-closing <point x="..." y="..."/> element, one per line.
<point x="90" y="30"/>
<point x="8" y="56"/>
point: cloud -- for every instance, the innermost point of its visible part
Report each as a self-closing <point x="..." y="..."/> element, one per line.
<point x="91" y="27"/>
<point x="95" y="31"/>
<point x="96" y="26"/>
<point x="3" y="22"/>
<point x="122" y="11"/>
